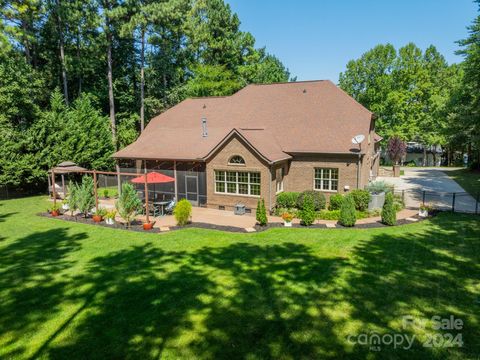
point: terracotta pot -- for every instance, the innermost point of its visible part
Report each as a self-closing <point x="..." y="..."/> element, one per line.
<point x="55" y="213"/>
<point x="97" y="218"/>
<point x="148" y="226"/>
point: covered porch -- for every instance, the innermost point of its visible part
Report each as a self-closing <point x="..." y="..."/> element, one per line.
<point x="189" y="179"/>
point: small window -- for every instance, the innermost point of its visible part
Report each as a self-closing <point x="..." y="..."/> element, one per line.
<point x="236" y="160"/>
<point x="326" y="179"/>
<point x="279" y="175"/>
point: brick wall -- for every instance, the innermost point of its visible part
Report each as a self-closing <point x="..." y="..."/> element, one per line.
<point x="219" y="161"/>
<point x="301" y="171"/>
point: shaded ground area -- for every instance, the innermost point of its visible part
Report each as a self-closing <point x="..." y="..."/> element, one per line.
<point x="71" y="291"/>
<point x="467" y="179"/>
<point x="438" y="187"/>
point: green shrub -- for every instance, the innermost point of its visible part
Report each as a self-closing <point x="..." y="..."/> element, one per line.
<point x="128" y="203"/>
<point x="54" y="207"/>
<point x="287" y="199"/>
<point x="85" y="195"/>
<point x="105" y="193"/>
<point x="261" y="213"/>
<point x="335" y="202"/>
<point x="389" y="215"/>
<point x="347" y="211"/>
<point x="100" y="212"/>
<point x="374" y="212"/>
<point x="328" y="214"/>
<point x="110" y="214"/>
<point x="72" y="199"/>
<point x="398" y="202"/>
<point x="182" y="212"/>
<point x="378" y="187"/>
<point x="307" y="214"/>
<point x="317" y="197"/>
<point x="361" y="199"/>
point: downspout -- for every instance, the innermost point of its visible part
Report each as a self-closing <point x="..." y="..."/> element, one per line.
<point x="175" y="176"/>
<point x="270" y="190"/>
<point x="358" y="171"/>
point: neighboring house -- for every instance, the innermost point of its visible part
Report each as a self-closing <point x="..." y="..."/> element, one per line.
<point x="260" y="141"/>
<point x="418" y="155"/>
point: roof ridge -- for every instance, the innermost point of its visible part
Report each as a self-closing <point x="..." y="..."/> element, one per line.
<point x="288" y="82"/>
<point x="207" y="97"/>
<point x="352" y="99"/>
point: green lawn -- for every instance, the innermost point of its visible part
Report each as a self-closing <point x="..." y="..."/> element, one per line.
<point x="73" y="291"/>
<point x="467" y="179"/>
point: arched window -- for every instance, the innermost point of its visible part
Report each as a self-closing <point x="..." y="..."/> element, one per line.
<point x="236" y="160"/>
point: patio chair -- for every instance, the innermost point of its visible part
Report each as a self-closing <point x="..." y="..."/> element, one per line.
<point x="170" y="206"/>
<point x="152" y="210"/>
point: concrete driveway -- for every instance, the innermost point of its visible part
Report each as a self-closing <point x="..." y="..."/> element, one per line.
<point x="438" y="187"/>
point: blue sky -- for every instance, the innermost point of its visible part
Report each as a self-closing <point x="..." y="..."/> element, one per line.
<point x="316" y="38"/>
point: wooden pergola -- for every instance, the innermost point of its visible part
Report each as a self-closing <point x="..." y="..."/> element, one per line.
<point x="72" y="168"/>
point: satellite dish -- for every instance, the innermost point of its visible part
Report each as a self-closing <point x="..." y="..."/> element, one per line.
<point x="358" y="139"/>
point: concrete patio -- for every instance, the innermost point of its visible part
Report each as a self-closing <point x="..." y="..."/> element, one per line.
<point x="248" y="221"/>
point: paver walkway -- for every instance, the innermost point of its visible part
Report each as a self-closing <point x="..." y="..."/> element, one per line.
<point x="438" y="186"/>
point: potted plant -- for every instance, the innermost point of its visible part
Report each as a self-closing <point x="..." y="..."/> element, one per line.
<point x="149" y="225"/>
<point x="110" y="217"/>
<point x="65" y="205"/>
<point x="424" y="210"/>
<point x="55" y="210"/>
<point x="98" y="215"/>
<point x="287" y="219"/>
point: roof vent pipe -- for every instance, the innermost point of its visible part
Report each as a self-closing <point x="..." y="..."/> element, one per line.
<point x="204" y="127"/>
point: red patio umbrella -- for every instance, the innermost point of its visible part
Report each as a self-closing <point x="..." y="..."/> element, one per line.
<point x="153" y="178"/>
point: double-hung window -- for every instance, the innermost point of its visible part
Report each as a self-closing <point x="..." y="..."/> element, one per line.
<point x="237" y="182"/>
<point x="326" y="179"/>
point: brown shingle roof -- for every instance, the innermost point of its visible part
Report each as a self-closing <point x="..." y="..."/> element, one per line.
<point x="276" y="119"/>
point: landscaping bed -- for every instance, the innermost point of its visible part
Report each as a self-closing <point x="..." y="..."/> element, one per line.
<point x="138" y="225"/>
<point x="134" y="226"/>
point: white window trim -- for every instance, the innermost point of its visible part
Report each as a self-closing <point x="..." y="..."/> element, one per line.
<point x="330" y="180"/>
<point x="282" y="170"/>
<point x="249" y="183"/>
<point x="237" y="164"/>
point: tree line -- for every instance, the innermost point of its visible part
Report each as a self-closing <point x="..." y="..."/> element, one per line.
<point x="418" y="96"/>
<point x="80" y="78"/>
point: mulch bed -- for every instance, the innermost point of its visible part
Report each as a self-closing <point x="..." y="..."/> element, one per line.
<point x="138" y="226"/>
<point x="376" y="224"/>
<point x="134" y="226"/>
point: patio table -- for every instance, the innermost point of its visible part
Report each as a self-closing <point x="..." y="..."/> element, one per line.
<point x="161" y="204"/>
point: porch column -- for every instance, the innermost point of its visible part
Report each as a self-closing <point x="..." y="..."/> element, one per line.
<point x="119" y="184"/>
<point x="95" y="191"/>
<point x="175" y="176"/>
<point x="63" y="185"/>
<point x="147" y="210"/>
<point x="53" y="188"/>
